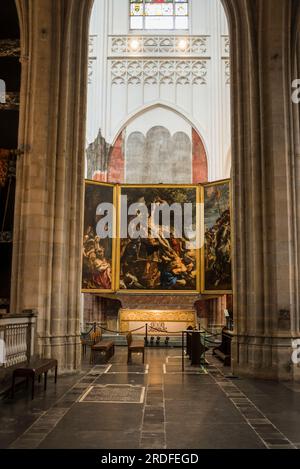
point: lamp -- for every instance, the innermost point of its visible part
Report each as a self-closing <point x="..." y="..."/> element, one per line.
<point x="134" y="44"/>
<point x="182" y="44"/>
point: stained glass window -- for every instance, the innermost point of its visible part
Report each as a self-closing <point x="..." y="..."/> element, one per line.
<point x="159" y="14"/>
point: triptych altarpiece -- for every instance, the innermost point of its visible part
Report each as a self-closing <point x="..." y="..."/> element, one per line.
<point x="157" y="238"/>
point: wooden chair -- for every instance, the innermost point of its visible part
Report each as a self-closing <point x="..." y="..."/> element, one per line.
<point x="88" y="339"/>
<point x="104" y="346"/>
<point x="134" y="346"/>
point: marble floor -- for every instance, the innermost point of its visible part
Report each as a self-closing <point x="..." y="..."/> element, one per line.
<point x="153" y="406"/>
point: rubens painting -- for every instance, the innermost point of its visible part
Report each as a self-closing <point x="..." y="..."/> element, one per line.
<point x="216" y="260"/>
<point x="97" y="252"/>
<point x="161" y="257"/>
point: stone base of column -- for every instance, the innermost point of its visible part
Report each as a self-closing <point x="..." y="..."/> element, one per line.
<point x="267" y="358"/>
<point x="65" y="349"/>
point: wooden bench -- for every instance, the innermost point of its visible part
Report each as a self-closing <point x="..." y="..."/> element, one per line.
<point x="223" y="352"/>
<point x="134" y="346"/>
<point x="34" y="369"/>
<point x="105" y="346"/>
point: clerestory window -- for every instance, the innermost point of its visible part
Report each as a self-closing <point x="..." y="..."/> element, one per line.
<point x="159" y="14"/>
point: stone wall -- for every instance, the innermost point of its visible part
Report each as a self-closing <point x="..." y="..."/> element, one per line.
<point x="97" y="155"/>
<point x="199" y="163"/>
<point x="138" y="158"/>
<point x="116" y="163"/>
<point x="158" y="157"/>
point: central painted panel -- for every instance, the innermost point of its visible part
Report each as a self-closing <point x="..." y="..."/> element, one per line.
<point x="157" y="242"/>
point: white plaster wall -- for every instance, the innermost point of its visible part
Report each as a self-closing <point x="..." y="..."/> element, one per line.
<point x="164" y="171"/>
<point x="206" y="105"/>
<point x="159" y="116"/>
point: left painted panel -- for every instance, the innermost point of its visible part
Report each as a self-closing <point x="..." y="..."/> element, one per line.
<point x="98" y="246"/>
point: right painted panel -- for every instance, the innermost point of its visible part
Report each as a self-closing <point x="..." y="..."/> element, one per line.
<point x="216" y="252"/>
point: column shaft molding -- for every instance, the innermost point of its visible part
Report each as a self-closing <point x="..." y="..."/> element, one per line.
<point x="49" y="199"/>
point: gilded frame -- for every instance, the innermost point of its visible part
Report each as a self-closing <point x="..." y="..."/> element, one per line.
<point x="204" y="290"/>
<point x="196" y="187"/>
<point x="113" y="261"/>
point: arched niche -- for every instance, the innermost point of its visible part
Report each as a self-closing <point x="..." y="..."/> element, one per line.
<point x="143" y="153"/>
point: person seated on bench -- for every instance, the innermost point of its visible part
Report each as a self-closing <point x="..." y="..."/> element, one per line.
<point x="106" y="346"/>
<point x="134" y="346"/>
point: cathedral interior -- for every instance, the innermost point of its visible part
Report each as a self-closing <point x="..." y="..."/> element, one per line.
<point x="149" y="211"/>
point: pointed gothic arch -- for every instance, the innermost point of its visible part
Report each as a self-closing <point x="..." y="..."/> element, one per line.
<point x="200" y="155"/>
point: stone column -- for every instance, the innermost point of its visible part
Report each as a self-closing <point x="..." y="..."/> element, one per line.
<point x="212" y="309"/>
<point x="216" y="313"/>
<point x="49" y="198"/>
<point x="92" y="309"/>
<point x="221" y="306"/>
<point x="265" y="246"/>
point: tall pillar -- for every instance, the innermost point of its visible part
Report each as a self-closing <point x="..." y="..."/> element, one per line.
<point x="222" y="304"/>
<point x="266" y="305"/>
<point x="49" y="197"/>
<point x="213" y="313"/>
<point x="216" y="313"/>
<point x="92" y="309"/>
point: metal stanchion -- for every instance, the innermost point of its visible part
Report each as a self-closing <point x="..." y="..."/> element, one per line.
<point x="182" y="350"/>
